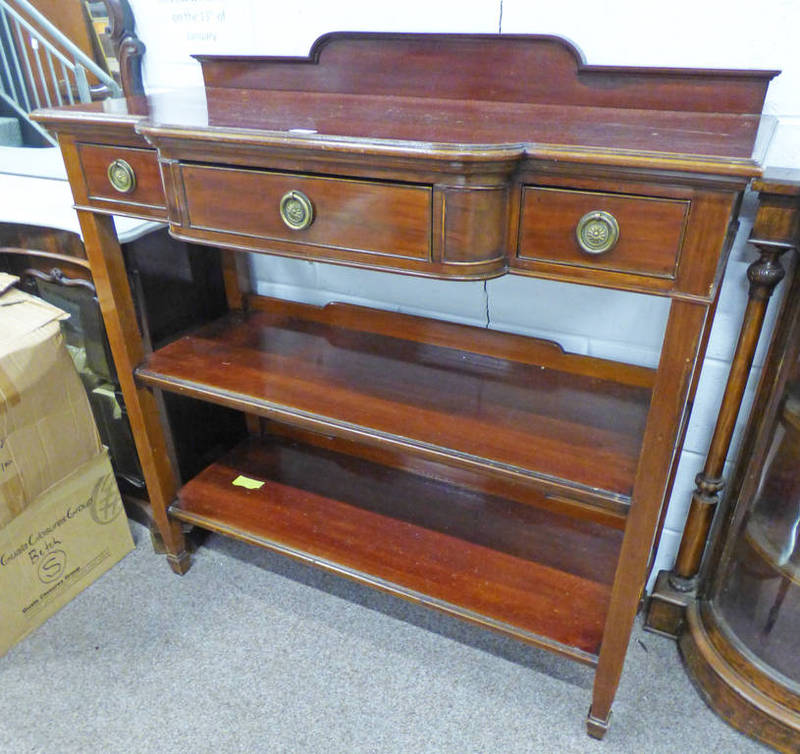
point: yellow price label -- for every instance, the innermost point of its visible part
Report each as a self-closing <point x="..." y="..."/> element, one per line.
<point x="248" y="483"/>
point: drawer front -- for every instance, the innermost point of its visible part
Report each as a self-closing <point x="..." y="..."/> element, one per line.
<point x="137" y="187"/>
<point x="348" y="215"/>
<point x="649" y="231"/>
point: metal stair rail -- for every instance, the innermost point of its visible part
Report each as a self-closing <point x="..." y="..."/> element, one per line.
<point x="29" y="79"/>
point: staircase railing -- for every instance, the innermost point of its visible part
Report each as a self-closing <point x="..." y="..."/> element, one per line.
<point x="42" y="67"/>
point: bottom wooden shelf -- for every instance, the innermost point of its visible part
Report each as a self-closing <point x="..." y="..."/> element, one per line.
<point x="523" y="570"/>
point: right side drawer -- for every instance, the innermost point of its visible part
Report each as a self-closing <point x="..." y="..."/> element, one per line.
<point x="571" y="227"/>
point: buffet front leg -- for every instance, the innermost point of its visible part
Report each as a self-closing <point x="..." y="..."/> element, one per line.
<point x="125" y="339"/>
<point x="680" y="354"/>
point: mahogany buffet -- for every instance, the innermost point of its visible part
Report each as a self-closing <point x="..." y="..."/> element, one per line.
<point x="491" y="476"/>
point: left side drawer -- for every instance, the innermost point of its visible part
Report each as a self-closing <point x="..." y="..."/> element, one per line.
<point x="123" y="180"/>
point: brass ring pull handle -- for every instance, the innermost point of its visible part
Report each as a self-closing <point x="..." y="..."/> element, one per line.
<point x="597" y="232"/>
<point x="121" y="176"/>
<point x="296" y="210"/>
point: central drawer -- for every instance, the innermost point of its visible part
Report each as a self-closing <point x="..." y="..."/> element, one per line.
<point x="342" y="217"/>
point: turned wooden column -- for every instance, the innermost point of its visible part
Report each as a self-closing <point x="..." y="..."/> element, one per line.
<point x="764" y="274"/>
<point x="774" y="232"/>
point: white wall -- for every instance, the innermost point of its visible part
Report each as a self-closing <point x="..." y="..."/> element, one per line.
<point x="685" y="33"/>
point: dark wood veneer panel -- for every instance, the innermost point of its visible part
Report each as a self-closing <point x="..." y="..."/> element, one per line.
<point x="475" y="222"/>
<point x="388" y="219"/>
<point x="534" y="129"/>
<point x="537" y="571"/>
<point x="521" y="417"/>
<point x="610" y="514"/>
<point x="466" y="66"/>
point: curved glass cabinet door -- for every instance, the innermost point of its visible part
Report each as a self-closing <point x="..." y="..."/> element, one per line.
<point x="757" y="595"/>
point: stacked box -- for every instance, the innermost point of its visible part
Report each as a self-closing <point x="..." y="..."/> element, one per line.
<point x="61" y="522"/>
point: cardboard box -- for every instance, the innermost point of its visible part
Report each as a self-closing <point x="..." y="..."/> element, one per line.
<point x="61" y="518"/>
<point x="62" y="542"/>
<point x="46" y="425"/>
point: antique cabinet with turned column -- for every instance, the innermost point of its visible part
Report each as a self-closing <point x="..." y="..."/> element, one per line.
<point x="491" y="476"/>
<point x="734" y="601"/>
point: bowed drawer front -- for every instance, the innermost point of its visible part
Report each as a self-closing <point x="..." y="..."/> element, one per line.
<point x="306" y="215"/>
<point x="619" y="232"/>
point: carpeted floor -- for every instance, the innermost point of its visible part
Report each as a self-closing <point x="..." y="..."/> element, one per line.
<point x="250" y="652"/>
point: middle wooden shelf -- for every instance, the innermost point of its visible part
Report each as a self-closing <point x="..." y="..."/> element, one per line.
<point x="518" y="408"/>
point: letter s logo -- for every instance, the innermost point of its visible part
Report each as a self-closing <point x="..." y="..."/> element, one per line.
<point x="52" y="566"/>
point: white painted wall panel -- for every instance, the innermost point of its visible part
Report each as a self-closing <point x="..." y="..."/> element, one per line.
<point x="682" y="33"/>
<point x="175" y="29"/>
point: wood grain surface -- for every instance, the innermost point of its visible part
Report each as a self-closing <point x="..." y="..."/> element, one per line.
<point x="482" y="409"/>
<point x="540" y="572"/>
<point x="146" y="199"/>
<point x="373" y="217"/>
<point x="650" y="230"/>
